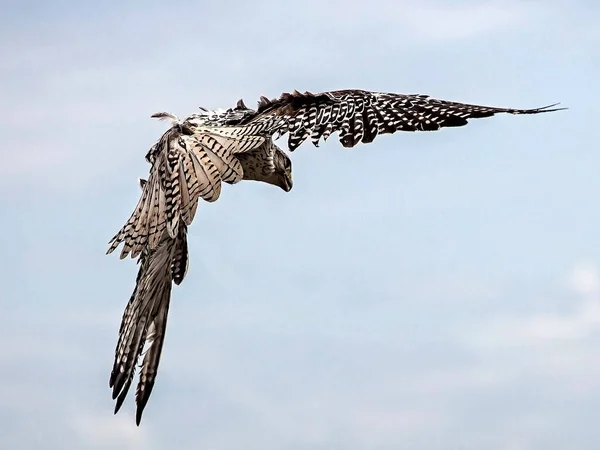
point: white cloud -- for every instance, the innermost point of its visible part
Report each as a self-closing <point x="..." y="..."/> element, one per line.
<point x="548" y="329"/>
<point x="585" y="280"/>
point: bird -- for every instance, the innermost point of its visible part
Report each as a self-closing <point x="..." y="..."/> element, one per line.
<point x="192" y="159"/>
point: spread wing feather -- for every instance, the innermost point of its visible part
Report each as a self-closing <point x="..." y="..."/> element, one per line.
<point x="360" y="116"/>
<point x="186" y="166"/>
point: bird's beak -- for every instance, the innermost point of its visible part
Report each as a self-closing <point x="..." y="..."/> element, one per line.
<point x="287" y="182"/>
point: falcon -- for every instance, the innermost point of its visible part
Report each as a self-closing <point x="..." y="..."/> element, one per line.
<point x="196" y="155"/>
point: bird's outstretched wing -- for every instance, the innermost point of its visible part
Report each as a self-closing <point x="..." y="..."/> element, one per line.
<point x="360" y="116"/>
<point x="187" y="164"/>
<point x="193" y="158"/>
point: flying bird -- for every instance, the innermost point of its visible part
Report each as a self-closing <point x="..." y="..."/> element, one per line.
<point x="196" y="155"/>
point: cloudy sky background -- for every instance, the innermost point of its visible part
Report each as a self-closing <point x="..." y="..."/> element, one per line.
<point x="453" y="302"/>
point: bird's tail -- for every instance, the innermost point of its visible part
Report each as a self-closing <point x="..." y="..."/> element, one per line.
<point x="145" y="318"/>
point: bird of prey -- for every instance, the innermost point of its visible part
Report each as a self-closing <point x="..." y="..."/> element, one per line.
<point x="195" y="155"/>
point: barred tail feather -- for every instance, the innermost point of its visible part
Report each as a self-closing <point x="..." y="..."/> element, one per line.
<point x="145" y="318"/>
<point x="149" y="369"/>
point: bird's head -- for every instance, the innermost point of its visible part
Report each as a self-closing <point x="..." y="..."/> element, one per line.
<point x="259" y="166"/>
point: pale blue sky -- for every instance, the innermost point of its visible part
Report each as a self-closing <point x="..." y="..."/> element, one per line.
<point x="452" y="302"/>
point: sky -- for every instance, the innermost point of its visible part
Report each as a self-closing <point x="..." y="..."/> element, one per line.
<point x="450" y="302"/>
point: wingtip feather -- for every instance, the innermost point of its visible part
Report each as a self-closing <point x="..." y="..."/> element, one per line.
<point x="542" y="109"/>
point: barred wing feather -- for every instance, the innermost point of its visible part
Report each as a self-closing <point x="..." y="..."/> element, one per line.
<point x="360" y="116"/>
<point x="192" y="159"/>
<point x="186" y="167"/>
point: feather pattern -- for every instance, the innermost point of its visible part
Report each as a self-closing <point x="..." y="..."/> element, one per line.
<point x="196" y="155"/>
<point x="182" y="172"/>
<point x="360" y="116"/>
<point x="145" y="318"/>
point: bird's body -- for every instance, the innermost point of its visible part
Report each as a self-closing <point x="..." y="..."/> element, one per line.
<point x="196" y="155"/>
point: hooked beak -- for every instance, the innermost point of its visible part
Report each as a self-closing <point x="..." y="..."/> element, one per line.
<point x="287" y="183"/>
